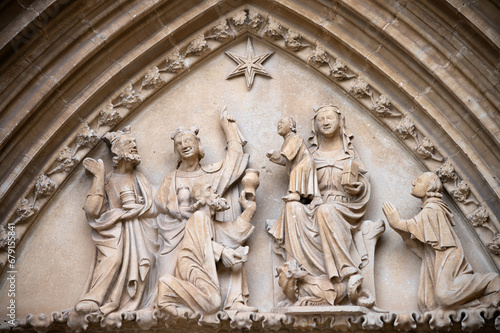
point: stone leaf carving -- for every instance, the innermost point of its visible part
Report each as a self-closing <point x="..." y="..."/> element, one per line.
<point x="255" y="19"/>
<point x="152" y="79"/>
<point x="25" y="210"/>
<point x="360" y="89"/>
<point x="383" y="107"/>
<point x="480" y="218"/>
<point x="129" y="97"/>
<point x="4" y="237"/>
<point x="108" y="117"/>
<point x="406" y="128"/>
<point x="86" y="138"/>
<point x="318" y="57"/>
<point x="66" y="161"/>
<point x="447" y="172"/>
<point x="274" y="30"/>
<point x="494" y="245"/>
<point x="425" y="149"/>
<point x="247" y="18"/>
<point x="174" y="63"/>
<point x="293" y="41"/>
<point x="220" y="32"/>
<point x="448" y="279"/>
<point x="461" y="193"/>
<point x="339" y="71"/>
<point x="44" y="187"/>
<point x="239" y="20"/>
<point x="42" y="322"/>
<point x="198" y="46"/>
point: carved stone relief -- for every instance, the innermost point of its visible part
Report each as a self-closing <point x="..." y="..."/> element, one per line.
<point x="447" y="280"/>
<point x="185" y="249"/>
<point x="250" y="20"/>
<point x="322" y="219"/>
<point x="250" y="65"/>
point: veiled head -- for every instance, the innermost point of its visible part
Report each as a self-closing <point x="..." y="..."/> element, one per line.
<point x="327" y="121"/>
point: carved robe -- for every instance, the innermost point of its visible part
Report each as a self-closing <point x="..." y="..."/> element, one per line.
<point x="123" y="276"/>
<point x="195" y="283"/>
<point x="446" y="278"/>
<point x="326" y="240"/>
<point x="303" y="178"/>
<point x="223" y="177"/>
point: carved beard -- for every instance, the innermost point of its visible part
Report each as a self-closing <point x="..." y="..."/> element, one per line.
<point x="218" y="204"/>
<point x="135" y="159"/>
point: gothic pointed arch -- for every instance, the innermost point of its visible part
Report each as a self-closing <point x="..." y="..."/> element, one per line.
<point x="426" y="72"/>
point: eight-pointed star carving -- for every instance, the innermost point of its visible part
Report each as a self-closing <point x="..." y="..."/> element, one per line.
<point x="250" y="65"/>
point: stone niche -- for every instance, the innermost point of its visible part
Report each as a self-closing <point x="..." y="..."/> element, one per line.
<point x="56" y="252"/>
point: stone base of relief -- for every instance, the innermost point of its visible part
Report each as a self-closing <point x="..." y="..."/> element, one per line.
<point x="348" y="319"/>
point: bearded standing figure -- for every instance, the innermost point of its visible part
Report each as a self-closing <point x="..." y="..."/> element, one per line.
<point x="174" y="200"/>
<point x="120" y="209"/>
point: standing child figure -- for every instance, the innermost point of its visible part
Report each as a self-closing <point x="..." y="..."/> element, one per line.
<point x="300" y="164"/>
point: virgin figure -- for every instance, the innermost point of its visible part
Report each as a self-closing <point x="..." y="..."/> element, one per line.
<point x="330" y="240"/>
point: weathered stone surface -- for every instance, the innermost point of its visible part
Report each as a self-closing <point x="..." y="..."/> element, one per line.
<point x="416" y="81"/>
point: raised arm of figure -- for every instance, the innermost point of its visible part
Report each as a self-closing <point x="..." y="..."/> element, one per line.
<point x="234" y="138"/>
<point x="95" y="197"/>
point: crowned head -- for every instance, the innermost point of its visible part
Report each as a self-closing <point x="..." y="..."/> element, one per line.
<point x="123" y="147"/>
<point x="187" y="144"/>
<point x="327" y="120"/>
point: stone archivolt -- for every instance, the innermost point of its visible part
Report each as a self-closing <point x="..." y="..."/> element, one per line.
<point x="367" y="76"/>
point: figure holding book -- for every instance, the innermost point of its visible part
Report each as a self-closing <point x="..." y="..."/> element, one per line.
<point x="332" y="242"/>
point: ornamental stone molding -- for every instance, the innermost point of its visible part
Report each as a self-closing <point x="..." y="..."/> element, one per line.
<point x="416" y="82"/>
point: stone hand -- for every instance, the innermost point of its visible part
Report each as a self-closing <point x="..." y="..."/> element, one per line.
<point x="245" y="203"/>
<point x="133" y="210"/>
<point x="317" y="201"/>
<point x="226" y="118"/>
<point x="241" y="254"/>
<point x="228" y="257"/>
<point x="354" y="188"/>
<point x="186" y="212"/>
<point x="273" y="155"/>
<point x="95" y="168"/>
<point x="391" y="213"/>
<point x="232" y="257"/>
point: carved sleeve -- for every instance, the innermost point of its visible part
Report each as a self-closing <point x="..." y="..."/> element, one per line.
<point x="292" y="147"/>
<point x="400" y="225"/>
<point x="95" y="198"/>
<point x="278" y="160"/>
<point x="235" y="140"/>
<point x="217" y="250"/>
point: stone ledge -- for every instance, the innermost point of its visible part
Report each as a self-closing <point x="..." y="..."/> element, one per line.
<point x="341" y="318"/>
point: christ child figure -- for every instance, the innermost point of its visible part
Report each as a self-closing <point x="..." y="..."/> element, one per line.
<point x="296" y="156"/>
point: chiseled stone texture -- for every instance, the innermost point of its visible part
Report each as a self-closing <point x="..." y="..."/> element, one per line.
<point x="446" y="79"/>
<point x="191" y="102"/>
